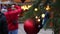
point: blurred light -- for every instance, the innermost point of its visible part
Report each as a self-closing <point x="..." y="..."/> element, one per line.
<point x="29" y="6"/>
<point x="36" y="17"/>
<point x="47" y="8"/>
<point x="36" y="9"/>
<point x="38" y="20"/>
<point x="26" y="7"/>
<point x="23" y="7"/>
<point x="43" y="15"/>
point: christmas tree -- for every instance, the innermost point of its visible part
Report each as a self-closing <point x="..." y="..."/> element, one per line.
<point x="40" y="8"/>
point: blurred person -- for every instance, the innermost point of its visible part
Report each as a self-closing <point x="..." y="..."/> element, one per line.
<point x="4" y="8"/>
<point x="47" y="16"/>
<point x="12" y="7"/>
<point x="12" y="19"/>
<point x="9" y="7"/>
<point x="3" y="23"/>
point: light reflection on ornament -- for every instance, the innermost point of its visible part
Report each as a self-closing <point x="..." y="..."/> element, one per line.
<point x="43" y="15"/>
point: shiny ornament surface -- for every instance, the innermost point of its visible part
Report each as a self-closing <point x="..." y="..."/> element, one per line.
<point x="29" y="27"/>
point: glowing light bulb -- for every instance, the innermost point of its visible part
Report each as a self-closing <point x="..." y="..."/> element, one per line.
<point x="24" y="7"/>
<point x="38" y="20"/>
<point x="43" y="15"/>
<point x="47" y="8"/>
<point x="29" y="6"/>
<point x="36" y="9"/>
<point x="36" y="17"/>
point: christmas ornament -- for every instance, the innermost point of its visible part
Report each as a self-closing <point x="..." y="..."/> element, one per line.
<point x="29" y="27"/>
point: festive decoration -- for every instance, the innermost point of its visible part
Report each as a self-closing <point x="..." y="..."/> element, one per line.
<point x="38" y="20"/>
<point x="29" y="27"/>
<point x="43" y="15"/>
<point x="50" y="5"/>
<point x="36" y="9"/>
<point x="29" y="6"/>
<point x="47" y="8"/>
<point x="36" y="17"/>
<point x="25" y="7"/>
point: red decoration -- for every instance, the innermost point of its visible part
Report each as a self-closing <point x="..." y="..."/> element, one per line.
<point x="29" y="27"/>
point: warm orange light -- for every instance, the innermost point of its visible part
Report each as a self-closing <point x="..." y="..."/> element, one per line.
<point x="29" y="6"/>
<point x="48" y="7"/>
<point x="38" y="20"/>
<point x="26" y="7"/>
<point x="36" y="17"/>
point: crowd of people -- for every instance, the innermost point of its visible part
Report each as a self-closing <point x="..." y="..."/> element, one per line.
<point x="9" y="18"/>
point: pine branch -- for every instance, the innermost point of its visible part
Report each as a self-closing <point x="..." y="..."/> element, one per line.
<point x="30" y="14"/>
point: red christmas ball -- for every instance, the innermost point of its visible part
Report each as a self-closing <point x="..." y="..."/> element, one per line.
<point x="29" y="27"/>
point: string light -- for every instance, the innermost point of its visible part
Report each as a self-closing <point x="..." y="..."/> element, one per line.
<point x="26" y="7"/>
<point x="36" y="9"/>
<point x="29" y="6"/>
<point x="43" y="15"/>
<point x="36" y="17"/>
<point x="47" y="8"/>
<point x="38" y="20"/>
